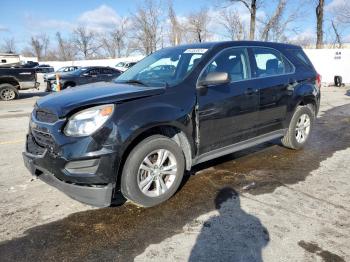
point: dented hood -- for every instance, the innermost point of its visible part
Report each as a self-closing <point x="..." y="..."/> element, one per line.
<point x="61" y="103"/>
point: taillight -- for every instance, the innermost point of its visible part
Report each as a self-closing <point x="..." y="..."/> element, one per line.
<point x="318" y="80"/>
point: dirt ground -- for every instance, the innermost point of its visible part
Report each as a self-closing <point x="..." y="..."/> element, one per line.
<point x="267" y="203"/>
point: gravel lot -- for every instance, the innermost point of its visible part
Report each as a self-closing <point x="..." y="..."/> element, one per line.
<point x="263" y="204"/>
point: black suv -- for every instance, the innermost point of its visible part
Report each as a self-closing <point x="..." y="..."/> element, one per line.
<point x="138" y="135"/>
<point x="82" y="76"/>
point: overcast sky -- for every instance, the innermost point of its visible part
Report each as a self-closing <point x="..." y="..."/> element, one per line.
<point x="22" y="18"/>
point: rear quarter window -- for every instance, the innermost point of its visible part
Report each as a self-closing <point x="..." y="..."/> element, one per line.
<point x="301" y="57"/>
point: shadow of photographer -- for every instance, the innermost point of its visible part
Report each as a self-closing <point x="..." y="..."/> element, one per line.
<point x="233" y="235"/>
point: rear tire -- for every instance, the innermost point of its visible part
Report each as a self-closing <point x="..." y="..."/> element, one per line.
<point x="8" y="92"/>
<point x="153" y="171"/>
<point x="300" y="127"/>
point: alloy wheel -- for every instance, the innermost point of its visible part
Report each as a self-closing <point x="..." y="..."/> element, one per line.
<point x="7" y="94"/>
<point x="302" y="128"/>
<point x="157" y="173"/>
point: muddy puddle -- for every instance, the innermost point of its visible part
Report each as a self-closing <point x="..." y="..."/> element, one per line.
<point x="121" y="233"/>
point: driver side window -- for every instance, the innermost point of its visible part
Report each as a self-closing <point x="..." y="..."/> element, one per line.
<point x="233" y="61"/>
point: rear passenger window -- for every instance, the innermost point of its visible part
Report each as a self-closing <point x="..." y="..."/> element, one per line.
<point x="106" y="71"/>
<point x="270" y="62"/>
<point x="233" y="61"/>
<point x="301" y="57"/>
<point x="94" y="72"/>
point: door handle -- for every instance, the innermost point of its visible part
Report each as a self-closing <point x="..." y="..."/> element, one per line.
<point x="251" y="91"/>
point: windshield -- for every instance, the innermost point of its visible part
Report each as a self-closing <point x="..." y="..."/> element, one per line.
<point x="165" y="67"/>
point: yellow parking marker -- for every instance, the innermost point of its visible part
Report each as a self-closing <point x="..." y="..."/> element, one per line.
<point x="11" y="142"/>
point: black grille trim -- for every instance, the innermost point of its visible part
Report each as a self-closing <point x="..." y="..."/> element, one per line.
<point x="45" y="116"/>
<point x="43" y="139"/>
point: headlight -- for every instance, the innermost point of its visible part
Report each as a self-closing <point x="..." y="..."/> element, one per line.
<point x="88" y="121"/>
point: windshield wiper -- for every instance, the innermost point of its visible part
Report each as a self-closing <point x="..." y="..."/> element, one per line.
<point x="134" y="81"/>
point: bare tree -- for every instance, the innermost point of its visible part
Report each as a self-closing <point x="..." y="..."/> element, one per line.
<point x="342" y="12"/>
<point x="198" y="24"/>
<point x="39" y="45"/>
<point x="252" y="6"/>
<point x="119" y="36"/>
<point x="146" y="26"/>
<point x="338" y="42"/>
<point x="108" y="45"/>
<point x="85" y="41"/>
<point x="9" y="45"/>
<point x="274" y="21"/>
<point x="233" y="24"/>
<point x="114" y="42"/>
<point x="319" y="22"/>
<point x="27" y="51"/>
<point x="305" y="40"/>
<point x="175" y="26"/>
<point x="65" y="48"/>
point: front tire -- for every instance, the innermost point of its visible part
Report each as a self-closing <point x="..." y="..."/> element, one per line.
<point x="153" y="171"/>
<point x="300" y="128"/>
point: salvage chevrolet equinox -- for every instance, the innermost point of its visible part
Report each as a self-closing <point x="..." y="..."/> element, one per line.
<point x="176" y="108"/>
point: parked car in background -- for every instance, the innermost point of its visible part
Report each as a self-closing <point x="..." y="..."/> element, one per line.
<point x="84" y="75"/>
<point x="12" y="80"/>
<point x="44" y="69"/>
<point x="138" y="135"/>
<point x="49" y="77"/>
<point x="123" y="66"/>
<point x="163" y="71"/>
<point x="29" y="64"/>
<point x="62" y="70"/>
<point x="9" y="59"/>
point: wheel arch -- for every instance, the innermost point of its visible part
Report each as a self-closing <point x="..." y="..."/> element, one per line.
<point x="10" y="80"/>
<point x="69" y="83"/>
<point x="306" y="94"/>
<point x="307" y="100"/>
<point x="170" y="131"/>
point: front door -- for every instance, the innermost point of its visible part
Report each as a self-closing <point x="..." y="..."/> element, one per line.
<point x="227" y="112"/>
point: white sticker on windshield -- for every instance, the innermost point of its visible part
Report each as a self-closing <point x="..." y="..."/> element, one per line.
<point x="196" y="51"/>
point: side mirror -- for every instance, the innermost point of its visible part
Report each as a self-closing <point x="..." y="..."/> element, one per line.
<point x="215" y="78"/>
<point x="86" y="75"/>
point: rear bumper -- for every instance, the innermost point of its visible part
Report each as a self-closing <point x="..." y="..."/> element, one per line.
<point x="95" y="195"/>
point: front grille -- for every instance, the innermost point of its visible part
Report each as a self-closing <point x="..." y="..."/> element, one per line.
<point x="43" y="139"/>
<point x="33" y="147"/>
<point x="45" y="116"/>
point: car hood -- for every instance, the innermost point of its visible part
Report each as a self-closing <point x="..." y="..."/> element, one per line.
<point x="61" y="103"/>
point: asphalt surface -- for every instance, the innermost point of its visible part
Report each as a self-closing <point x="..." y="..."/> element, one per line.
<point x="267" y="203"/>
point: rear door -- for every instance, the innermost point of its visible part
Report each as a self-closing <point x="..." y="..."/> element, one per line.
<point x="107" y="74"/>
<point x="271" y="73"/>
<point x="93" y="76"/>
<point x="227" y="112"/>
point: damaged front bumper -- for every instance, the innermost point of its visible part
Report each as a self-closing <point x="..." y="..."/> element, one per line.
<point x="95" y="195"/>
